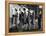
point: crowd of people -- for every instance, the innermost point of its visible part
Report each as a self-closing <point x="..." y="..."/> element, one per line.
<point x="24" y="19"/>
